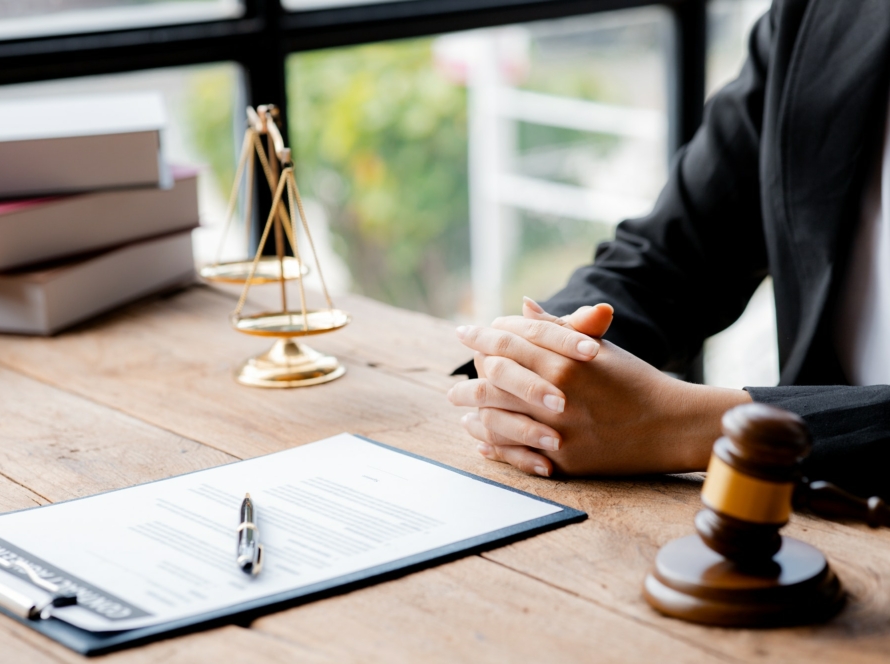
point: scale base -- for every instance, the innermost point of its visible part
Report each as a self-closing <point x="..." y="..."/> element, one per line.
<point x="289" y="364"/>
<point x="694" y="583"/>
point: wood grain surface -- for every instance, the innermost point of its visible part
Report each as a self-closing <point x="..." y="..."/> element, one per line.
<point x="148" y="392"/>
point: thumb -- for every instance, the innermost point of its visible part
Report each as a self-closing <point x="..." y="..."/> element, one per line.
<point x="592" y="321"/>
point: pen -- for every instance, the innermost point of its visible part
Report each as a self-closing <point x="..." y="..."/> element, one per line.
<point x="250" y="551"/>
<point x="28" y="607"/>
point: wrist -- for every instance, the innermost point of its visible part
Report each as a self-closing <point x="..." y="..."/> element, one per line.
<point x="698" y="416"/>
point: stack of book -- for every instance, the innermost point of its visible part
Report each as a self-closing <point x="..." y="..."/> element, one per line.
<point x="91" y="216"/>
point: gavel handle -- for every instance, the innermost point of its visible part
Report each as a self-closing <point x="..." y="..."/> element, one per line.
<point x="830" y="501"/>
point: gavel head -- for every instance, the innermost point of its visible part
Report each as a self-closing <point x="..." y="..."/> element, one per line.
<point x="751" y="477"/>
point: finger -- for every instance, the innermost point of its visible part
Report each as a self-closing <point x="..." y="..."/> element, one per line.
<point x="478" y="359"/>
<point x="492" y="341"/>
<point x="493" y="446"/>
<point x="531" y="309"/>
<point x="518" y="428"/>
<point x="593" y="321"/>
<point x="518" y="456"/>
<point x="480" y="393"/>
<point x="507" y="375"/>
<point x="560" y="339"/>
<point x="472" y="422"/>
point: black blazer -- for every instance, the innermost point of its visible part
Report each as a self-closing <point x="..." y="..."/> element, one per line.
<point x="769" y="185"/>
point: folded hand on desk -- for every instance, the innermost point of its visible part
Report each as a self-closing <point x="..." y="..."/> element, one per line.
<point x="551" y="398"/>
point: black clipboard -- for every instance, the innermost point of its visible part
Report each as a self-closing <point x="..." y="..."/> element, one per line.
<point x="98" y="643"/>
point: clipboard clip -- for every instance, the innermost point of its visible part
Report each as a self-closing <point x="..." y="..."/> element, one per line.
<point x="26" y="606"/>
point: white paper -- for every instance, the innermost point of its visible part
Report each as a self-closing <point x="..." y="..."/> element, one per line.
<point x="166" y="550"/>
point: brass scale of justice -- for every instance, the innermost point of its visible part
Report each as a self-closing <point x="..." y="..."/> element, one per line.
<point x="288" y="363"/>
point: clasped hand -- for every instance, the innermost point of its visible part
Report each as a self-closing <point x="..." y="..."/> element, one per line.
<point x="551" y="398"/>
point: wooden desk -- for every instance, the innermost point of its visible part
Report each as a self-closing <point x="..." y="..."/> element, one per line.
<point x="147" y="392"/>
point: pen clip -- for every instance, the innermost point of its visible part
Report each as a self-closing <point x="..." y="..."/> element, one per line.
<point x="26" y="606"/>
<point x="258" y="565"/>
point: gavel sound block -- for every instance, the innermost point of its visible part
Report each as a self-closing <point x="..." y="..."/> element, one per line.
<point x="738" y="570"/>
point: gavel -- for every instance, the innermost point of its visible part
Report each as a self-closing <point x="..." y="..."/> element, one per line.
<point x="739" y="570"/>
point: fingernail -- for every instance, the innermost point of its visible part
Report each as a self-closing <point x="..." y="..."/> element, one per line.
<point x="484" y="449"/>
<point x="555" y="403"/>
<point x="448" y="396"/>
<point x="462" y="331"/>
<point x="543" y="472"/>
<point x="588" y="347"/>
<point x="465" y="418"/>
<point x="534" y="306"/>
<point x="549" y="443"/>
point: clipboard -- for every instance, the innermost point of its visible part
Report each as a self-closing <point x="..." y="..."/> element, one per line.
<point x="97" y="643"/>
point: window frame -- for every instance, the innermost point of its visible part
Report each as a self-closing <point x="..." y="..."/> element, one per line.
<point x="262" y="38"/>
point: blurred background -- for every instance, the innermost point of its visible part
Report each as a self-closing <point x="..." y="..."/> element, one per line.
<point x="449" y="174"/>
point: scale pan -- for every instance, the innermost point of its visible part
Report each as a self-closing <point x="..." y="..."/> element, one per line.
<point x="267" y="271"/>
<point x="290" y="323"/>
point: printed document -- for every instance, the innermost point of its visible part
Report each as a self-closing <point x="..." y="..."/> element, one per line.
<point x="166" y="550"/>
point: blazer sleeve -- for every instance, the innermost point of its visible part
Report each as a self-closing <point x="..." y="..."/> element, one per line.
<point x="850" y="428"/>
<point x="688" y="269"/>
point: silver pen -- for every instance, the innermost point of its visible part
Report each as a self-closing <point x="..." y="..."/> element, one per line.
<point x="29" y="607"/>
<point x="250" y="551"/>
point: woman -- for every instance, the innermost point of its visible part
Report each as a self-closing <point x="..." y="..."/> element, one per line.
<point x="789" y="175"/>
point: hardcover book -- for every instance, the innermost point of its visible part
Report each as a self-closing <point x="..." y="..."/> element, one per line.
<point x="40" y="229"/>
<point x="67" y="144"/>
<point x="48" y="299"/>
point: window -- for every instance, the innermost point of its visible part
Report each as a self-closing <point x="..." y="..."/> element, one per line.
<point x="458" y="172"/>
<point x="745" y="353"/>
<point x="38" y="18"/>
<point x="303" y="5"/>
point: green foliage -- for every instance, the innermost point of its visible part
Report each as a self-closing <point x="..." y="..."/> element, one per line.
<point x="210" y="121"/>
<point x="381" y="140"/>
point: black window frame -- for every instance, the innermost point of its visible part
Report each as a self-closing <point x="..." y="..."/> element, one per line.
<point x="262" y="38"/>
